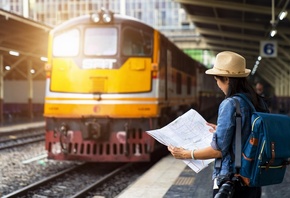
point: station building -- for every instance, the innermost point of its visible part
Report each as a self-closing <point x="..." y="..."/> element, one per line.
<point x="165" y="15"/>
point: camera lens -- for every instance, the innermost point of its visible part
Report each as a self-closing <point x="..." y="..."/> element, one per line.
<point x="225" y="191"/>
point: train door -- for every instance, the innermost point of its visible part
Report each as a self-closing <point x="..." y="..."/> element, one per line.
<point x="163" y="91"/>
<point x="169" y="74"/>
<point x="166" y="82"/>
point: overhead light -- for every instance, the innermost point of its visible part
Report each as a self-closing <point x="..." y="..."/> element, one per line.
<point x="7" y="67"/>
<point x="256" y="65"/>
<point x="282" y="15"/>
<point x="44" y="59"/>
<point x="254" y="69"/>
<point x="273" y="32"/>
<point x="14" y="53"/>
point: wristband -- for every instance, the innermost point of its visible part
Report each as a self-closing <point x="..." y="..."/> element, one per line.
<point x="192" y="154"/>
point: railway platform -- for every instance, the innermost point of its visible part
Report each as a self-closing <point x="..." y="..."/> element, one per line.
<point x="21" y="124"/>
<point x="171" y="178"/>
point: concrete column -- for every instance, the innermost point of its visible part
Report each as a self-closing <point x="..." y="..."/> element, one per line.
<point x="1" y="89"/>
<point x="30" y="90"/>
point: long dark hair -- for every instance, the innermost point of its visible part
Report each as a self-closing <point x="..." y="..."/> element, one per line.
<point x="241" y="85"/>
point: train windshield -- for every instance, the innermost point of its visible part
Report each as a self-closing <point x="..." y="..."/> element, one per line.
<point x="136" y="42"/>
<point x="66" y="43"/>
<point x="100" y="41"/>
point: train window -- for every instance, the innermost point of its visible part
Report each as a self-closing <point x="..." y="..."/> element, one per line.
<point x="188" y="84"/>
<point x="178" y="83"/>
<point x="100" y="41"/>
<point x="136" y="42"/>
<point x="66" y="43"/>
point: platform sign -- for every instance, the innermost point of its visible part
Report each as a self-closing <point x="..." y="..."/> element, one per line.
<point x="268" y="49"/>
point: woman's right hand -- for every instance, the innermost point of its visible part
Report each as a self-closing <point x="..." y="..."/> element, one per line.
<point x="179" y="152"/>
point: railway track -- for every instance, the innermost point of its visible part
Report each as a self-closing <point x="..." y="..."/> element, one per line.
<point x="20" y="138"/>
<point x="74" y="180"/>
<point x="65" y="186"/>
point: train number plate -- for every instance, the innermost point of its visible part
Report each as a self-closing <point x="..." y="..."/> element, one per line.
<point x="98" y="63"/>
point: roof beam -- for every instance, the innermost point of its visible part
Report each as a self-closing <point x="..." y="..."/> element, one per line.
<point x="204" y="31"/>
<point x="266" y="75"/>
<point x="220" y="48"/>
<point x="233" y="23"/>
<point x="9" y="15"/>
<point x="231" y="6"/>
<point x="285" y="53"/>
<point x="226" y="22"/>
<point x="231" y="43"/>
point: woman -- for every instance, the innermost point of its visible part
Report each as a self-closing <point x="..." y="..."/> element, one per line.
<point x="230" y="74"/>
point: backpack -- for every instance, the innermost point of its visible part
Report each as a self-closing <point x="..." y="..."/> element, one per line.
<point x="266" y="153"/>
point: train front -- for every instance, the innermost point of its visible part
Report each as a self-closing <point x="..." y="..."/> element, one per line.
<point x="101" y="92"/>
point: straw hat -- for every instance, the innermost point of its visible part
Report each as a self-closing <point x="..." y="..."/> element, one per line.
<point x="229" y="64"/>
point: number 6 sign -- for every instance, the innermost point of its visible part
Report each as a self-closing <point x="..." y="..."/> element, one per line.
<point x="268" y="49"/>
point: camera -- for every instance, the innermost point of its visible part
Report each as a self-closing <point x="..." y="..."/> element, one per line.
<point x="227" y="186"/>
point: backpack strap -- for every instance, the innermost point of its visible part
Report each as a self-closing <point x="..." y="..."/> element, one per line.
<point x="245" y="98"/>
<point x="238" y="138"/>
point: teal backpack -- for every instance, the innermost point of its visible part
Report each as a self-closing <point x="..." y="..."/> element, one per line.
<point x="265" y="155"/>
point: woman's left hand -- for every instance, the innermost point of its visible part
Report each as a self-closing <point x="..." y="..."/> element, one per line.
<point x="179" y="153"/>
<point x="213" y="127"/>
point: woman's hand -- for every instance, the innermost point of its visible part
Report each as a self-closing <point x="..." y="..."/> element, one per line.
<point x="179" y="153"/>
<point x="200" y="154"/>
<point x="213" y="127"/>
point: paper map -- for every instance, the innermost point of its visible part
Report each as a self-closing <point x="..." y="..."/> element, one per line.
<point x="188" y="131"/>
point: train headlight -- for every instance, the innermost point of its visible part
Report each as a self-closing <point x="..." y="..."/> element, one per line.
<point x="95" y="18"/>
<point x="103" y="16"/>
<point x="107" y="17"/>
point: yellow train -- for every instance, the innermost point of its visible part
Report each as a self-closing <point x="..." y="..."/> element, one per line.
<point x="109" y="79"/>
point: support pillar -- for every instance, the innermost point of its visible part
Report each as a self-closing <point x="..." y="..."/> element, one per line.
<point x="30" y="90"/>
<point x="1" y="89"/>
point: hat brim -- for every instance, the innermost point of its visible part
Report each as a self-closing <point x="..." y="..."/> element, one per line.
<point x="216" y="72"/>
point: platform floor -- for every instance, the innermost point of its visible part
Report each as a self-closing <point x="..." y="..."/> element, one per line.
<point x="22" y="126"/>
<point x="20" y="120"/>
<point x="157" y="181"/>
<point x="171" y="178"/>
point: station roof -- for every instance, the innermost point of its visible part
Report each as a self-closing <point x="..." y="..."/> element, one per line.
<point x="236" y="25"/>
<point x="29" y="39"/>
<point x="240" y="26"/>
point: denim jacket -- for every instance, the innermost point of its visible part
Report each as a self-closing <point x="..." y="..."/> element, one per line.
<point x="224" y="137"/>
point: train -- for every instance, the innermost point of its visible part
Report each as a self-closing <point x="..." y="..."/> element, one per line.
<point x="109" y="79"/>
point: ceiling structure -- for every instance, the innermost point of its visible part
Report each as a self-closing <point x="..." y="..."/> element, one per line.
<point x="236" y="25"/>
<point x="29" y="39"/>
<point x="240" y="26"/>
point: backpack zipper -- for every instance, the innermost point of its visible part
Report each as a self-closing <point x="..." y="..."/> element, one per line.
<point x="254" y="122"/>
<point x="263" y="146"/>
